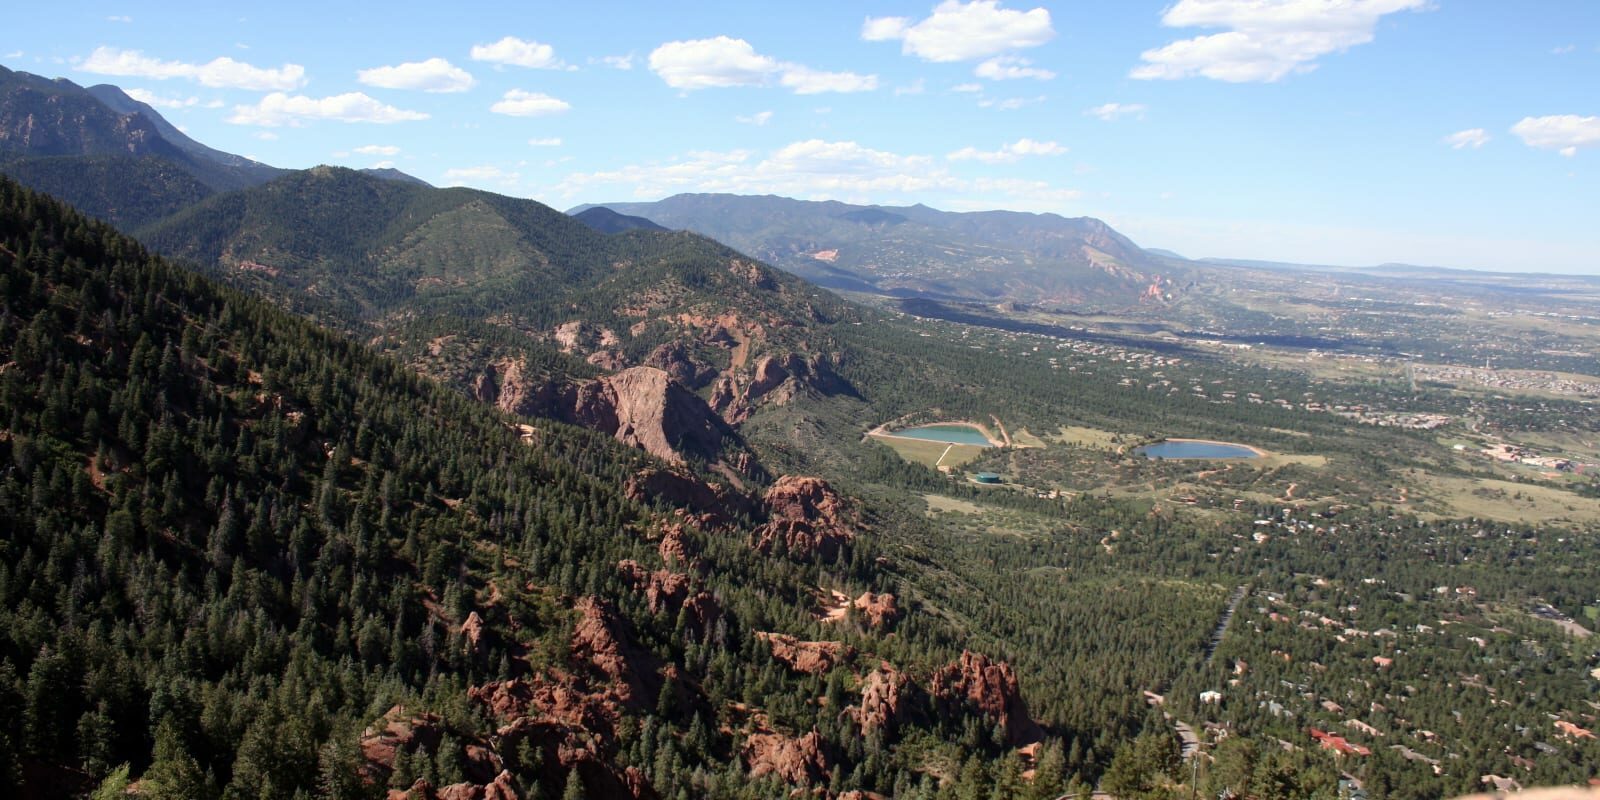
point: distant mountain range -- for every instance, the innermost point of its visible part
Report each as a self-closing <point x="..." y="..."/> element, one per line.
<point x="921" y="251"/>
<point x="110" y="155"/>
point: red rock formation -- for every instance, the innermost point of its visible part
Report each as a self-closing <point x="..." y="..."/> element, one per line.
<point x="676" y="360"/>
<point x="669" y="591"/>
<point x="645" y="408"/>
<point x="676" y="546"/>
<point x="473" y="631"/>
<point x="608" y="359"/>
<point x="798" y="761"/>
<point x="812" y="658"/>
<point x="808" y="517"/>
<point x="990" y="687"/>
<point x="883" y="694"/>
<point x="878" y="610"/>
<point x="603" y="642"/>
<point x="679" y="488"/>
<point x="397" y="732"/>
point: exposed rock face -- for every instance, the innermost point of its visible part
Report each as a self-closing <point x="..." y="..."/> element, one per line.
<point x="607" y="359"/>
<point x="397" y="732"/>
<point x="669" y="591"/>
<point x="473" y="631"/>
<point x="807" y="517"/>
<point x="878" y="610"/>
<point x="775" y="379"/>
<point x="812" y="658"/>
<point x="989" y="686"/>
<point x="675" y="359"/>
<point x="642" y="406"/>
<point x="645" y="408"/>
<point x="798" y="761"/>
<point x="570" y="728"/>
<point x="676" y="547"/>
<point x="603" y="641"/>
<point x="883" y="702"/>
<point x="714" y="504"/>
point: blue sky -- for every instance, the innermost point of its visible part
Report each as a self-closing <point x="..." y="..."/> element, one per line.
<point x="1450" y="132"/>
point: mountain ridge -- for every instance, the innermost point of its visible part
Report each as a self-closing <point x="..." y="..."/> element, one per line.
<point x="1011" y="255"/>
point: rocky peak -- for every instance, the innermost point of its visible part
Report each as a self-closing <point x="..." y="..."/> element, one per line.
<point x="799" y="761"/>
<point x="807" y="517"/>
<point x="603" y="642"/>
<point x="883" y="694"/>
<point x="877" y="610"/>
<point x="670" y="592"/>
<point x="714" y="504"/>
<point x="989" y="686"/>
<point x="811" y="658"/>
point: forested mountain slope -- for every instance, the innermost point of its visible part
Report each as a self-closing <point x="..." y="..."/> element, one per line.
<point x="246" y="557"/>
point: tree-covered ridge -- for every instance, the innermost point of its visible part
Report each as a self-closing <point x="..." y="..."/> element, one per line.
<point x="233" y="540"/>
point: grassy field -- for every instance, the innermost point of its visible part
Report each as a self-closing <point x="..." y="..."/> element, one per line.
<point x="1509" y="501"/>
<point x="930" y="453"/>
<point x="1087" y="437"/>
<point x="938" y="502"/>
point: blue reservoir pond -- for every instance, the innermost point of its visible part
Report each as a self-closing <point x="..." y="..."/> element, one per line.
<point x="1187" y="449"/>
<point x="953" y="434"/>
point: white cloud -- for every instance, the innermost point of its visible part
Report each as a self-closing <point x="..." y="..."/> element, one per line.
<point x="150" y="98"/>
<point x="1008" y="153"/>
<point x="724" y="62"/>
<point x="1011" y="103"/>
<point x="1564" y="133"/>
<point x="433" y="75"/>
<point x="959" y="31"/>
<point x="804" y="80"/>
<point x="813" y="168"/>
<point x="1266" y="40"/>
<point x="967" y="88"/>
<point x="123" y="18"/>
<point x="711" y="63"/>
<point x="518" y="53"/>
<point x="1005" y="68"/>
<point x="518" y="103"/>
<point x="1111" y="112"/>
<point x="758" y="118"/>
<point x="618" y="62"/>
<point x="218" y="73"/>
<point x="266" y="136"/>
<point x="278" y="109"/>
<point x="378" y="150"/>
<point x="382" y="165"/>
<point x="460" y="176"/>
<point x="548" y="141"/>
<point x="1563" y="49"/>
<point x="817" y="169"/>
<point x="1472" y="137"/>
<point x="917" y="86"/>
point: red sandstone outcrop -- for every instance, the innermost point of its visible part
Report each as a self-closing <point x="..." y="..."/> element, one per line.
<point x="603" y="641"/>
<point x="807" y="517"/>
<point x="677" y="487"/>
<point x="798" y="761"/>
<point x="877" y="610"/>
<point x="645" y="408"/>
<point x="676" y="546"/>
<point x="472" y="630"/>
<point x="675" y="359"/>
<point x="812" y="658"/>
<point x="642" y="406"/>
<point x="775" y="379"/>
<point x="668" y="591"/>
<point x="883" y="698"/>
<point x="989" y="686"/>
